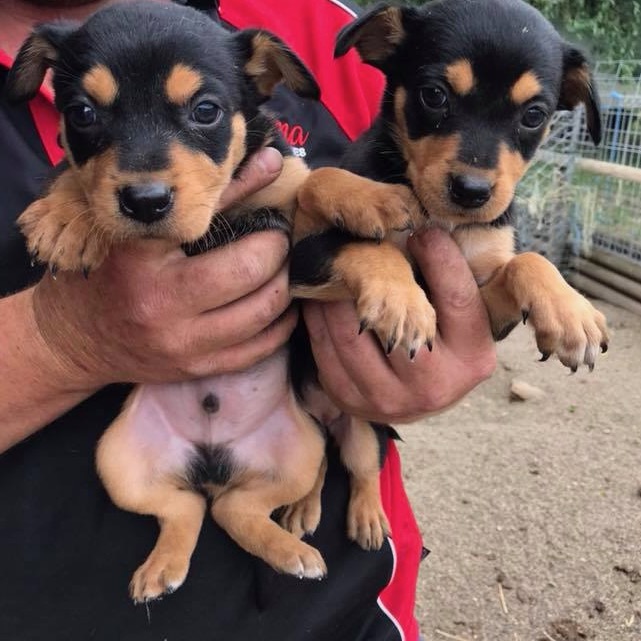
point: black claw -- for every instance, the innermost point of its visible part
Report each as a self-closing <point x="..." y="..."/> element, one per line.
<point x="574" y="368"/>
<point x="34" y="257"/>
<point x="362" y="327"/>
<point x="85" y="272"/>
<point x="604" y="348"/>
<point x="591" y="367"/>
<point x="525" y="315"/>
<point x="544" y="357"/>
<point x="429" y="345"/>
<point x="53" y="269"/>
<point x="413" y="353"/>
<point x="390" y="347"/>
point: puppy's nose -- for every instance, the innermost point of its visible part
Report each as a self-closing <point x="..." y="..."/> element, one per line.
<point x="470" y="191"/>
<point x="147" y="203"/>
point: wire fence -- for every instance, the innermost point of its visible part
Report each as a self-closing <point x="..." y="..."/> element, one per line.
<point x="577" y="198"/>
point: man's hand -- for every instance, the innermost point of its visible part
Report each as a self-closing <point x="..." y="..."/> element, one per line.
<point x="363" y="381"/>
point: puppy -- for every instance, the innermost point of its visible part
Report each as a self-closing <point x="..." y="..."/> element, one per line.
<point x="471" y="88"/>
<point x="155" y="123"/>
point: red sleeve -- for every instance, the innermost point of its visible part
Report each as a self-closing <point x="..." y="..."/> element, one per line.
<point x="350" y="90"/>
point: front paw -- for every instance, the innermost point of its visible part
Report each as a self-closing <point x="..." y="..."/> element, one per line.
<point x="63" y="235"/>
<point x="567" y="324"/>
<point x="399" y="314"/>
<point x="378" y="210"/>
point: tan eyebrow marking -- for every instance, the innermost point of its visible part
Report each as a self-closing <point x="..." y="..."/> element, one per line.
<point x="525" y="88"/>
<point x="460" y="76"/>
<point x="182" y="83"/>
<point x="101" y="85"/>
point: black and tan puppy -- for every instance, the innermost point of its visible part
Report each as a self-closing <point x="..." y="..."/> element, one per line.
<point x="471" y="88"/>
<point x="155" y="122"/>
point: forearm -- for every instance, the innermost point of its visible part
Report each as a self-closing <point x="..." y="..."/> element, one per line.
<point x="35" y="388"/>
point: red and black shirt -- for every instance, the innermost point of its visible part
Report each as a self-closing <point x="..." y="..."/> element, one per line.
<point x="67" y="553"/>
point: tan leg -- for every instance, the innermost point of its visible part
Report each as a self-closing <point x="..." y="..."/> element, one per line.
<point x="530" y="288"/>
<point x="180" y="515"/>
<point x="303" y="517"/>
<point x="244" y="513"/>
<point x="367" y="523"/>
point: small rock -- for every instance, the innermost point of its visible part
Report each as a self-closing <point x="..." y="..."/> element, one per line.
<point x="598" y="606"/>
<point x="522" y="391"/>
<point x="524" y="596"/>
<point x="567" y="630"/>
<point x="503" y="580"/>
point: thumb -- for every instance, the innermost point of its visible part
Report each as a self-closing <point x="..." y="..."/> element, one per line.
<point x="453" y="290"/>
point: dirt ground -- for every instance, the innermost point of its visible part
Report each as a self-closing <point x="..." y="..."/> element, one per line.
<point x="532" y="509"/>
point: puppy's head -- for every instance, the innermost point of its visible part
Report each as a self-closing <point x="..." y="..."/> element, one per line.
<point x="156" y="102"/>
<point x="471" y="88"/>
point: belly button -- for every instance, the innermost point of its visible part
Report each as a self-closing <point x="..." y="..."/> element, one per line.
<point x="211" y="404"/>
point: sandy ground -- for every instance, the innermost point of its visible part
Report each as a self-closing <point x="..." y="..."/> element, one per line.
<point x="532" y="509"/>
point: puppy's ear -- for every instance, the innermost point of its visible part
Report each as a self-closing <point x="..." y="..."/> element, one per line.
<point x="268" y="61"/>
<point x="39" y="51"/>
<point x="375" y="35"/>
<point x="578" y="86"/>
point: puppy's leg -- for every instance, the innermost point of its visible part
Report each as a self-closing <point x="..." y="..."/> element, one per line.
<point x="378" y="278"/>
<point x="136" y="482"/>
<point x="367" y="523"/>
<point x="244" y="513"/>
<point x="60" y="228"/>
<point x="332" y="197"/>
<point x="303" y="517"/>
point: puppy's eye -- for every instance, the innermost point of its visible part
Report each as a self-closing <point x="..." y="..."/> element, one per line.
<point x="82" y="115"/>
<point x="533" y="118"/>
<point x="433" y="97"/>
<point x="206" y="112"/>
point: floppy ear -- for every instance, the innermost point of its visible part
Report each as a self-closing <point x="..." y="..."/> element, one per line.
<point x="578" y="86"/>
<point x="268" y="61"/>
<point x="376" y="35"/>
<point x="39" y="51"/>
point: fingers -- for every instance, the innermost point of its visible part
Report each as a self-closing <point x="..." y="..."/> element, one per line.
<point x="261" y="169"/>
<point x="243" y="355"/>
<point x="227" y="274"/>
<point x="462" y="317"/>
<point x="244" y="318"/>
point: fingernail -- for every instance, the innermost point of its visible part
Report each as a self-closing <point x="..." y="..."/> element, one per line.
<point x="269" y="160"/>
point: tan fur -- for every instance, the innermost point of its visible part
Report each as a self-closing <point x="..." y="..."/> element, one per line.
<point x="378" y="39"/>
<point x="269" y="65"/>
<point x="139" y="483"/>
<point x="182" y="83"/>
<point x="101" y="85"/>
<point x="460" y="75"/>
<point x="525" y="88"/>
<point x="485" y="249"/>
<point x="369" y="209"/>
<point x="281" y="194"/>
<point x="380" y="280"/>
<point x="367" y="523"/>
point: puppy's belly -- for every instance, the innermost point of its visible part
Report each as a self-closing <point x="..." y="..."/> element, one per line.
<point x="252" y="412"/>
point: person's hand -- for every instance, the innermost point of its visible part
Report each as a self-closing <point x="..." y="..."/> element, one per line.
<point x="362" y="381"/>
<point x="152" y="314"/>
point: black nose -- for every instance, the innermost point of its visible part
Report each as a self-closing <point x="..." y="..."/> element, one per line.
<point x="470" y="191"/>
<point x="147" y="202"/>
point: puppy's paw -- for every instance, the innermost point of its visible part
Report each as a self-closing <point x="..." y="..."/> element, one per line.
<point x="377" y="210"/>
<point x="399" y="313"/>
<point x="367" y="523"/>
<point x="61" y="232"/>
<point x="302" y="517"/>
<point x="299" y="559"/>
<point x="567" y="324"/>
<point x="160" y="574"/>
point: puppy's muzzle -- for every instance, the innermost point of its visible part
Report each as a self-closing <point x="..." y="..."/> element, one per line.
<point x="146" y="203"/>
<point x="469" y="191"/>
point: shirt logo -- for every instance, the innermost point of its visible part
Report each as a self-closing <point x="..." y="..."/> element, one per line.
<point x="295" y="136"/>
